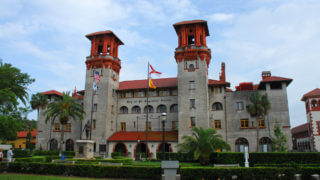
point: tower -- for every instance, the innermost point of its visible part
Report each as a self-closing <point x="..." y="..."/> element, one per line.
<point x="100" y="105"/>
<point x="312" y="101"/>
<point x="193" y="57"/>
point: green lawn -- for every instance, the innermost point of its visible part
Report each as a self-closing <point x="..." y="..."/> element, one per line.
<point x="36" y="177"/>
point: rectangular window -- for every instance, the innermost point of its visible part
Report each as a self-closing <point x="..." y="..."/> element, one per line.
<point x="140" y="94"/>
<point x="261" y="123"/>
<point x="192" y="103"/>
<point x="95" y="107"/>
<point x="174" y="125"/>
<point x="123" y="126"/>
<point x="122" y="94"/>
<point x="56" y="127"/>
<point x="129" y="94"/>
<point x="134" y="124"/>
<point x="102" y="147"/>
<point x="217" y="124"/>
<point x="174" y="92"/>
<point x="164" y="93"/>
<point x="240" y="106"/>
<point x="191" y="85"/>
<point x="152" y="93"/>
<point x="244" y="123"/>
<point x="192" y="122"/>
<point x="93" y="124"/>
<point x="68" y="127"/>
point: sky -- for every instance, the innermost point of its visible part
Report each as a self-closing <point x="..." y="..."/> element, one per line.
<point x="46" y="39"/>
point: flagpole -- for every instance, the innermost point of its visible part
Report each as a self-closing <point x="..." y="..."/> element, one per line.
<point x="147" y="113"/>
<point x="92" y="105"/>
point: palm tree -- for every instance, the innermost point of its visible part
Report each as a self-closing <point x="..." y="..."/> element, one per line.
<point x="63" y="109"/>
<point x="38" y="101"/>
<point x="202" y="143"/>
<point x="258" y="109"/>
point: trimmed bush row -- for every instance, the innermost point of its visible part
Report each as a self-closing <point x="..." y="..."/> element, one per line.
<point x="284" y="158"/>
<point x="95" y="171"/>
<point x="182" y="157"/>
<point x="122" y="160"/>
<point x="39" y="158"/>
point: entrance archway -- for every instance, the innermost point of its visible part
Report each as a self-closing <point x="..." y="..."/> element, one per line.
<point x="121" y="148"/>
<point x="140" y="148"/>
<point x="265" y="144"/>
<point x="241" y="143"/>
<point x="167" y="148"/>
<point x="69" y="145"/>
<point x="53" y="145"/>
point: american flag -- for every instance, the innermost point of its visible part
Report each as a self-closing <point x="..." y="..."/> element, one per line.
<point x="96" y="76"/>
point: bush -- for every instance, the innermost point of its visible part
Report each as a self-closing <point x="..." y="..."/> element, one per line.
<point x="69" y="153"/>
<point x="182" y="157"/>
<point x="284" y="158"/>
<point x="241" y="173"/>
<point x="19" y="153"/>
<point x="114" y="154"/>
<point x="31" y="159"/>
<point x="46" y="153"/>
<point x="95" y="171"/>
<point x="287" y="165"/>
<point x="227" y="158"/>
<point x="126" y="161"/>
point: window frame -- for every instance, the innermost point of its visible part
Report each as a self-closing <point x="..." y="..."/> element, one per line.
<point x="243" y="123"/>
<point x="123" y="126"/>
<point x="192" y="122"/>
<point x="217" y="124"/>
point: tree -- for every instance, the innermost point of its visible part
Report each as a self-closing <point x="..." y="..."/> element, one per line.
<point x="38" y="101"/>
<point x="258" y="109"/>
<point x="202" y="143"/>
<point x="280" y="140"/>
<point x="63" y="109"/>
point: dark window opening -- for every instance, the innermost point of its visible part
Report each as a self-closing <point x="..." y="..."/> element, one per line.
<point x="276" y="85"/>
<point x="94" y="147"/>
<point x="108" y="49"/>
<point x="190" y="40"/>
<point x="314" y="103"/>
<point x="191" y="67"/>
<point x="217" y="106"/>
<point x="102" y="147"/>
<point x="201" y="40"/>
<point x="100" y="49"/>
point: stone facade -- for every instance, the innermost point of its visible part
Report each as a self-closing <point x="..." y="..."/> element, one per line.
<point x="117" y="111"/>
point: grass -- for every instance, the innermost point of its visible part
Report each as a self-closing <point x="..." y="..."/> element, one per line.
<point x="37" y="177"/>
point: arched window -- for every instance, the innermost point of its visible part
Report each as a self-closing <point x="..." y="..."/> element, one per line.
<point x="314" y="103"/>
<point x="69" y="145"/>
<point x="53" y="145"/>
<point x="191" y="67"/>
<point x="319" y="103"/>
<point x="150" y="109"/>
<point x="136" y="110"/>
<point x="161" y="108"/>
<point x="174" y="108"/>
<point x="217" y="106"/>
<point x="241" y="143"/>
<point x="124" y="110"/>
<point x="265" y="144"/>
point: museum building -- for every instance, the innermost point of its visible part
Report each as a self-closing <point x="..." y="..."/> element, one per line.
<point x="117" y="111"/>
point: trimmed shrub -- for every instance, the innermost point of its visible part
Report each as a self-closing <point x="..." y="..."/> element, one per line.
<point x="18" y="153"/>
<point x="114" y="154"/>
<point x="46" y="153"/>
<point x="227" y="158"/>
<point x="284" y="158"/>
<point x="306" y="172"/>
<point x="182" y="157"/>
<point x="69" y="153"/>
<point x="126" y="161"/>
<point x="94" y="171"/>
<point x="32" y="159"/>
<point x="195" y="173"/>
<point x="287" y="165"/>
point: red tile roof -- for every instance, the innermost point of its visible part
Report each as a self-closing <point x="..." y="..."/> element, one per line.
<point x="51" y="92"/>
<point x="101" y="33"/>
<point x="192" y="22"/>
<point x="275" y="79"/>
<point x="159" y="83"/>
<point x="152" y="136"/>
<point x="23" y="134"/>
<point x="301" y="128"/>
<point x="313" y="93"/>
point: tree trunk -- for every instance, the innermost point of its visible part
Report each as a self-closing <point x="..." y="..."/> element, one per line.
<point x="61" y="140"/>
<point x="258" y="129"/>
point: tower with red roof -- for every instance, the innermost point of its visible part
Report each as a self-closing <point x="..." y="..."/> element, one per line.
<point x="312" y="102"/>
<point x="193" y="58"/>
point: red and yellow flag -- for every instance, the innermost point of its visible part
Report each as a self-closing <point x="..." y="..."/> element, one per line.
<point x="151" y="85"/>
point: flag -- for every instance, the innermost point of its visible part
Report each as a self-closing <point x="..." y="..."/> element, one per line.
<point x="96" y="76"/>
<point x="151" y="85"/>
<point x="154" y="71"/>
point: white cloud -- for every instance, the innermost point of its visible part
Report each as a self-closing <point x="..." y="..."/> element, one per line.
<point x="220" y="17"/>
<point x="9" y="8"/>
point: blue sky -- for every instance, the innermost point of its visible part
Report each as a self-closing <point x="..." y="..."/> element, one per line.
<point x="47" y="40"/>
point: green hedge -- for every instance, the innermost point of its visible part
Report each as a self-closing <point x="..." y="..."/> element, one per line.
<point x="94" y="171"/>
<point x="306" y="172"/>
<point x="182" y="157"/>
<point x="196" y="173"/>
<point x="45" y="153"/>
<point x="284" y="158"/>
<point x="32" y="159"/>
<point x="18" y="153"/>
<point x="126" y="161"/>
<point x="115" y="154"/>
<point x="227" y="158"/>
<point x="287" y="165"/>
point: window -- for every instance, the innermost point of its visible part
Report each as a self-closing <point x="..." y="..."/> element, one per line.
<point x="112" y="107"/>
<point x="261" y="123"/>
<point x="190" y="40"/>
<point x="217" y="124"/>
<point x="134" y="124"/>
<point x="164" y="93"/>
<point x="191" y="67"/>
<point x="174" y="125"/>
<point x="94" y="124"/>
<point x="122" y="94"/>
<point x="95" y="107"/>
<point x="161" y="109"/>
<point x="191" y="85"/>
<point x="123" y="126"/>
<point x="136" y="110"/>
<point x="68" y="127"/>
<point x="113" y="92"/>
<point x="192" y="103"/>
<point x="150" y="109"/>
<point x="56" y="127"/>
<point x="149" y="126"/>
<point x="174" y="108"/>
<point x="314" y="103"/>
<point x="140" y="94"/>
<point x="217" y="106"/>
<point x="100" y="49"/>
<point x="152" y="93"/>
<point x="244" y="123"/>
<point x="102" y="147"/>
<point x="174" y="92"/>
<point x="240" y="106"/>
<point x="108" y="49"/>
<point x="123" y="110"/>
<point x="241" y="143"/>
<point x="192" y="122"/>
<point x="129" y="94"/>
